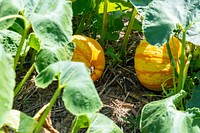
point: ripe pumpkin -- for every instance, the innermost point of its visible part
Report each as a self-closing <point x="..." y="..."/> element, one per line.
<point x="90" y="52"/>
<point x="152" y="63"/>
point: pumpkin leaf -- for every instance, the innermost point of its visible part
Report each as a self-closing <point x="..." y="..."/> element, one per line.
<point x="49" y="55"/>
<point x="81" y="121"/>
<point x="162" y="17"/>
<point x="76" y="78"/>
<point x="51" y="20"/>
<point x="7" y="84"/>
<point x="20" y="122"/>
<point x="194" y="101"/>
<point x="10" y="41"/>
<point x="141" y="5"/>
<point x="34" y="42"/>
<point x="102" y="124"/>
<point x="51" y="23"/>
<point x="163" y="112"/>
<point x="8" y="7"/>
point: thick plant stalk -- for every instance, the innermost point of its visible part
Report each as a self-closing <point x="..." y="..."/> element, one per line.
<point x="181" y="80"/>
<point x="173" y="64"/>
<point x="125" y="41"/>
<point x="104" y="22"/>
<point x="28" y="74"/>
<point x="48" y="109"/>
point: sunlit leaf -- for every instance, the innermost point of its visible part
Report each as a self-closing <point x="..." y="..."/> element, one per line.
<point x="51" y="20"/>
<point x="115" y="5"/>
<point x="79" y="94"/>
<point x="49" y="55"/>
<point x="8" y="7"/>
<point x="162" y="17"/>
<point x="100" y="123"/>
<point x="7" y="84"/>
<point x="34" y="42"/>
<point x="20" y="122"/>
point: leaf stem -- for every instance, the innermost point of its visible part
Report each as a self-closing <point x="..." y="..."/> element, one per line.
<point x="181" y="79"/>
<point x="46" y="112"/>
<point x="104" y="22"/>
<point x="12" y="16"/>
<point x="21" y="44"/>
<point x="28" y="74"/>
<point x="173" y="64"/>
<point x="125" y="41"/>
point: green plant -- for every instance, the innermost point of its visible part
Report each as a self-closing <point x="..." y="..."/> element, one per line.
<point x="43" y="30"/>
<point x="159" y="24"/>
<point x="132" y="122"/>
<point x="152" y="64"/>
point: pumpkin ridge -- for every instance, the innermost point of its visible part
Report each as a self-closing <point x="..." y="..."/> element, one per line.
<point x="80" y="51"/>
<point x="155" y="72"/>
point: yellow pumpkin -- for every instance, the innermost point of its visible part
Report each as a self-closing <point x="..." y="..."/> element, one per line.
<point x="90" y="52"/>
<point x="152" y="63"/>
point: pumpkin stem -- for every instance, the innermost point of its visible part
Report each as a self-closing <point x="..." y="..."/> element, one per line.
<point x="92" y="69"/>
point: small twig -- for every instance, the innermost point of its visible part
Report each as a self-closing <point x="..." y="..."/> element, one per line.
<point x="106" y="85"/>
<point x="139" y="98"/>
<point x="126" y="69"/>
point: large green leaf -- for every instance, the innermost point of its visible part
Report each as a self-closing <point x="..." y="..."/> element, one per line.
<point x="7" y="84"/>
<point x="162" y="117"/>
<point x="162" y="17"/>
<point x="140" y="5"/>
<point x="100" y="123"/>
<point x="79" y="94"/>
<point x="49" y="55"/>
<point x="51" y="20"/>
<point x="20" y="122"/>
<point x="95" y="123"/>
<point x="8" y="7"/>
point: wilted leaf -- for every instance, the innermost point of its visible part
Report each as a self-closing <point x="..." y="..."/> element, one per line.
<point x="47" y="126"/>
<point x="79" y="94"/>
